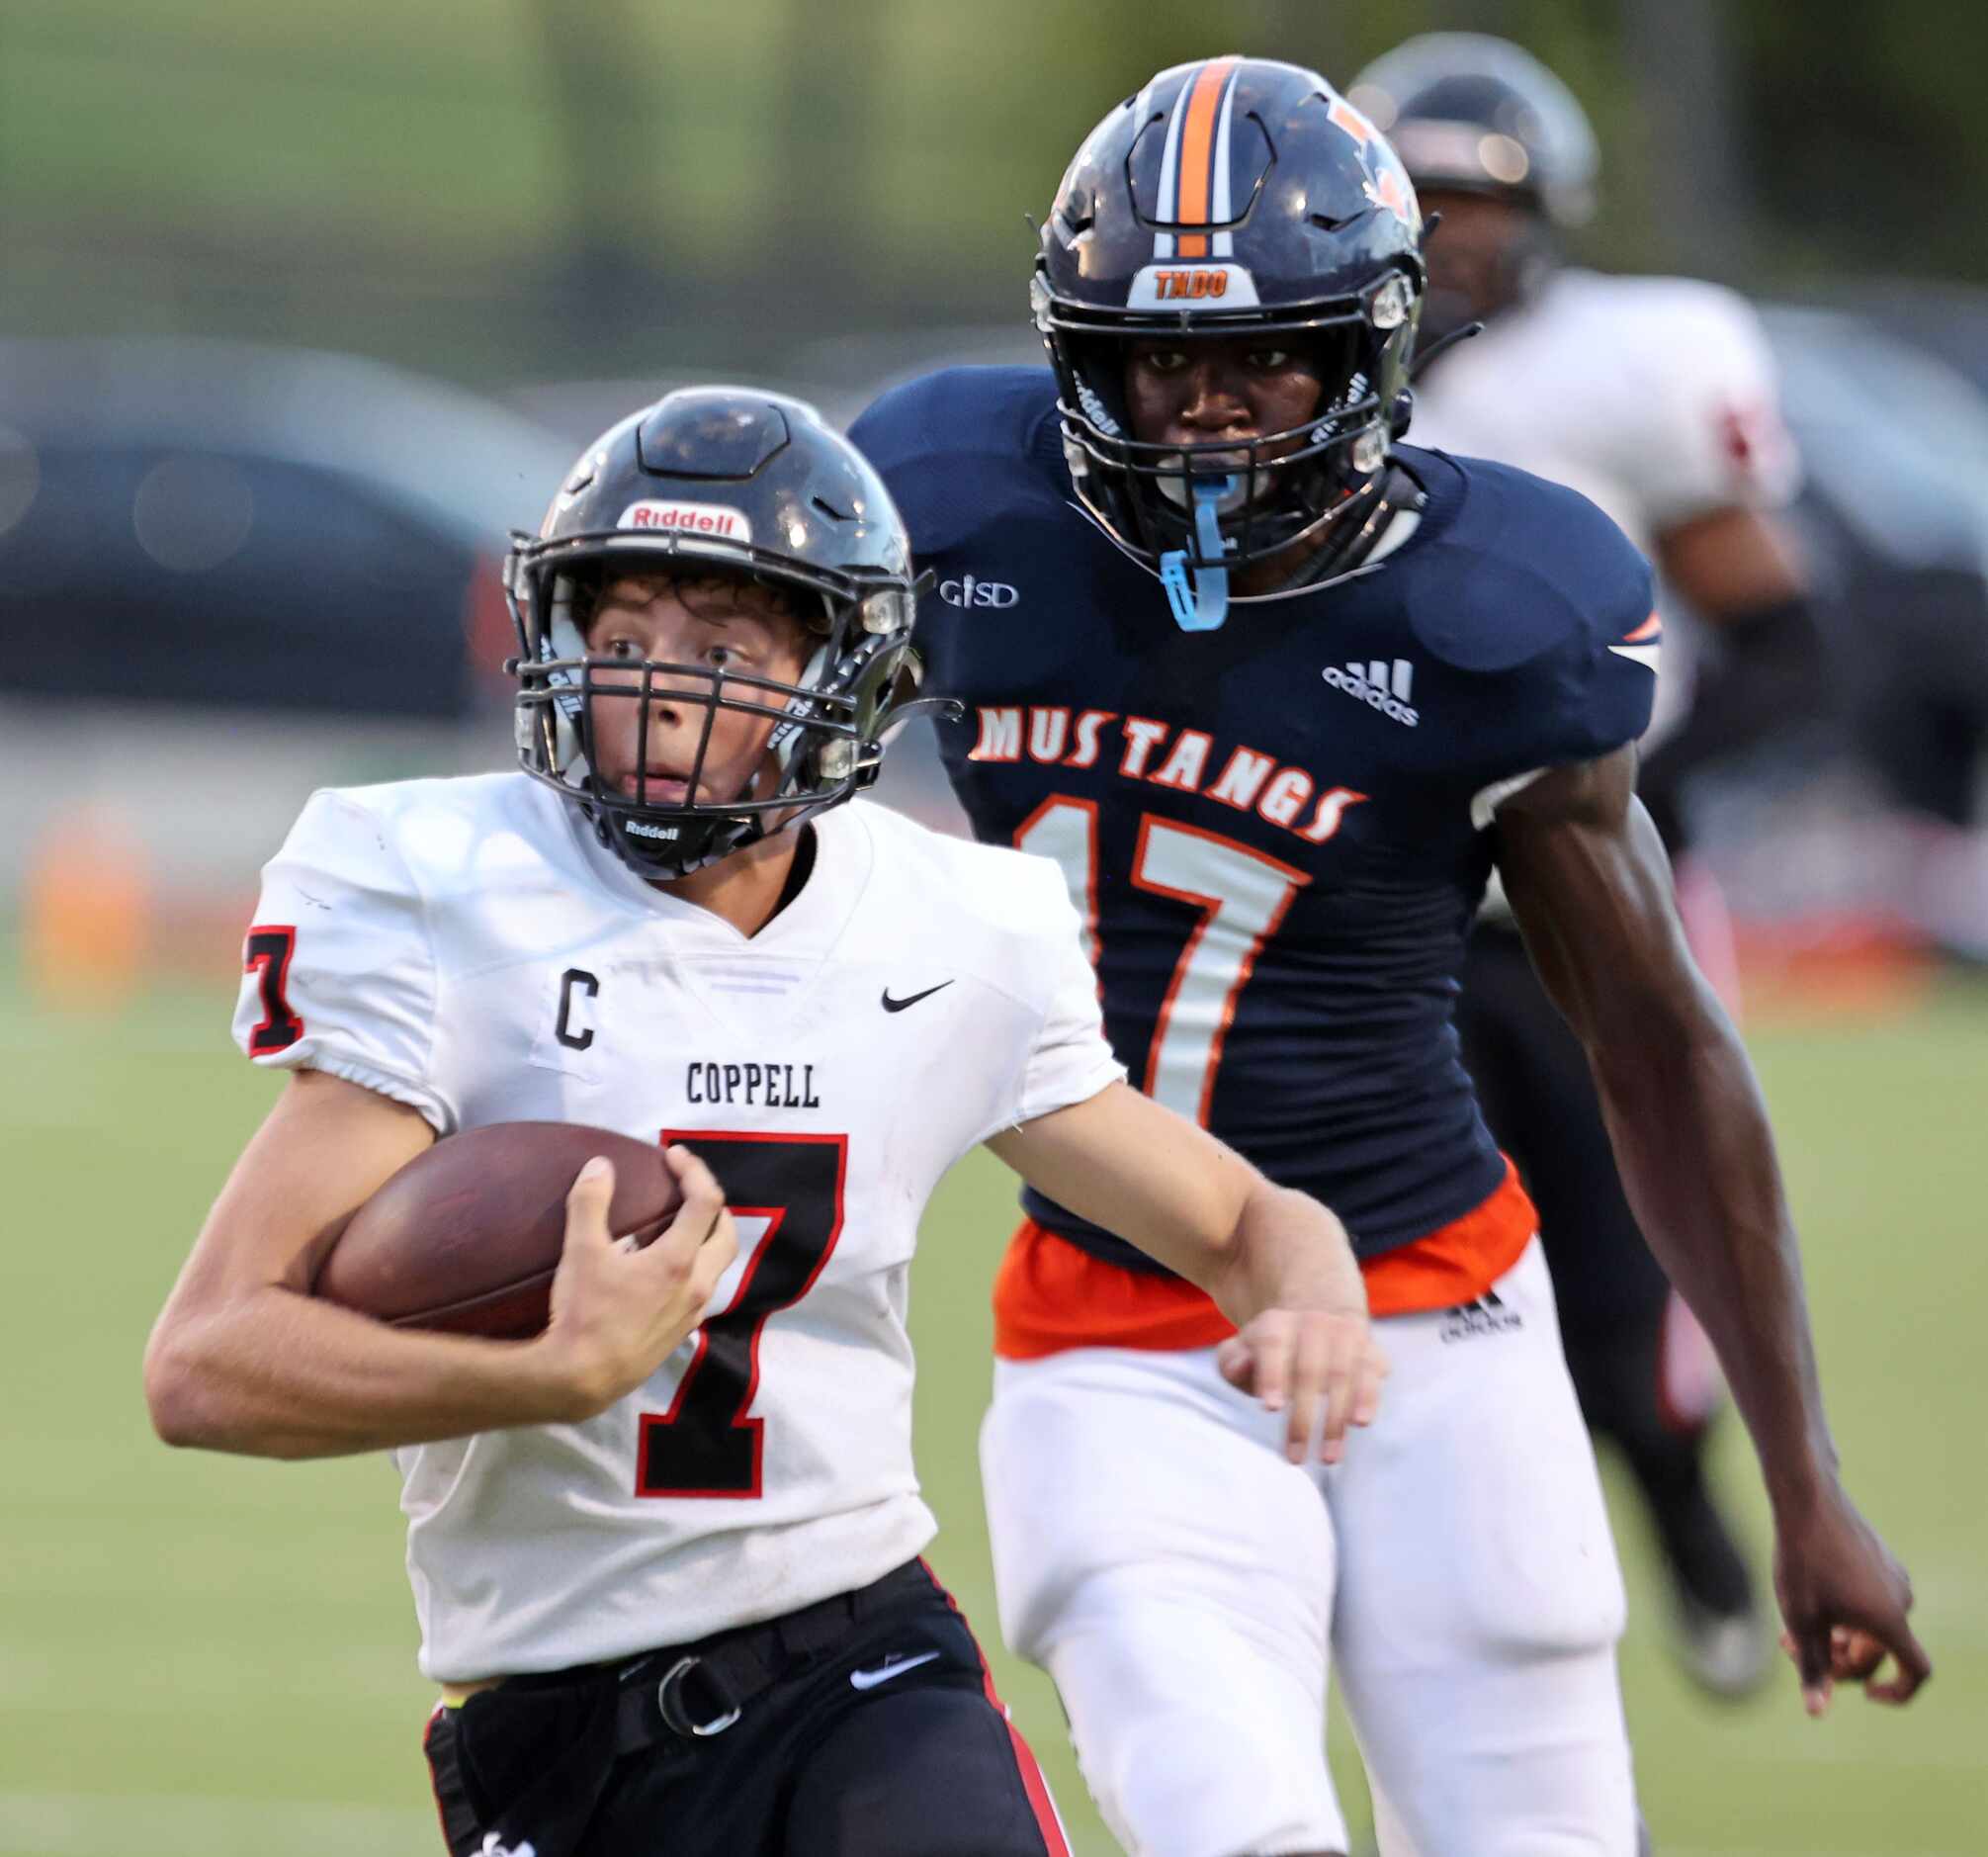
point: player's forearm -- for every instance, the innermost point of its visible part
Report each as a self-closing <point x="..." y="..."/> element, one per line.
<point x="276" y="1374"/>
<point x="1696" y="1158"/>
<point x="1286" y="1252"/>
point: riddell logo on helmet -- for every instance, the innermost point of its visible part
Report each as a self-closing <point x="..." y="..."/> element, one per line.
<point x="712" y="519"/>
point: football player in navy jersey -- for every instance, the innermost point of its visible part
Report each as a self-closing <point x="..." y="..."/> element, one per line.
<point x="1277" y="690"/>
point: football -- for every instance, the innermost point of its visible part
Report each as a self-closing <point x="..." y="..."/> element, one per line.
<point x="466" y="1238"/>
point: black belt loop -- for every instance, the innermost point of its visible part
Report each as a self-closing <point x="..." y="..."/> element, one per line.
<point x="809" y="1632"/>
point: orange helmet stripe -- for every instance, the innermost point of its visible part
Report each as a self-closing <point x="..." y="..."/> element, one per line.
<point x="1197" y="152"/>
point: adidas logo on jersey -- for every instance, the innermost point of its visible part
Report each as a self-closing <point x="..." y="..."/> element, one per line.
<point x="1379" y="686"/>
<point x="1488" y="1315"/>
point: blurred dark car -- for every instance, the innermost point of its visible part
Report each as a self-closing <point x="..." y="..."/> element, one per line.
<point x="213" y="526"/>
<point x="1894" y="444"/>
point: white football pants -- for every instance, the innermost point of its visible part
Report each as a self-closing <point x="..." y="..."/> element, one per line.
<point x="1189" y="1591"/>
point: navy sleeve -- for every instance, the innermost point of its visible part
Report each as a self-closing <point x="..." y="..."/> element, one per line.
<point x="1586" y="698"/>
<point x="1547" y="609"/>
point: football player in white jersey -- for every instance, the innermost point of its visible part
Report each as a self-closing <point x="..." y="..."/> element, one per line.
<point x="666" y="1555"/>
<point x="1656" y="398"/>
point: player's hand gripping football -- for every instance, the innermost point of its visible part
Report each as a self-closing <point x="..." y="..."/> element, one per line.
<point x="1844" y="1598"/>
<point x="617" y="1312"/>
<point x="1322" y="1367"/>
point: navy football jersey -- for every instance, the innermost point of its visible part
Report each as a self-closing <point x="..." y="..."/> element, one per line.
<point x="1277" y="831"/>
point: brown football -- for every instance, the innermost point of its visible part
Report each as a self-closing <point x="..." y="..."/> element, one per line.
<point x="466" y="1237"/>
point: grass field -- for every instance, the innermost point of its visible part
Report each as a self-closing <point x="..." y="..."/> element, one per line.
<point x="199" y="1655"/>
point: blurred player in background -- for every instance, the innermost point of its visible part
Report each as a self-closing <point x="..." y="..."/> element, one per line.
<point x="1274" y="689"/>
<point x="1655" y="398"/>
<point x="665" y="1554"/>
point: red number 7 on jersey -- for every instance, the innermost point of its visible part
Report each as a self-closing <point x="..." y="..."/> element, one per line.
<point x="708" y="1444"/>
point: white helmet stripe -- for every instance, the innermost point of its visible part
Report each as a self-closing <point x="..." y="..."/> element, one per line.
<point x="1169" y="167"/>
<point x="1219" y="207"/>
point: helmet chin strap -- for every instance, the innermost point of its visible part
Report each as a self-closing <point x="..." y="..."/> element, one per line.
<point x="1203" y="603"/>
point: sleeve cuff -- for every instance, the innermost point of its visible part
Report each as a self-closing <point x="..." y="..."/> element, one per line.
<point x="439" y="1116"/>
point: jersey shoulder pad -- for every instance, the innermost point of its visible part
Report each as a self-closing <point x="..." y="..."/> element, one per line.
<point x="1530" y="586"/>
<point x="999" y="908"/>
<point x="1519" y="567"/>
<point x="456" y="835"/>
<point x="960" y="446"/>
<point x="373" y="892"/>
<point x="339" y="964"/>
<point x="352" y="831"/>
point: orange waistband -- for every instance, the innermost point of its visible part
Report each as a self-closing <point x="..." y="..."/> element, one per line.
<point x="1050" y="1295"/>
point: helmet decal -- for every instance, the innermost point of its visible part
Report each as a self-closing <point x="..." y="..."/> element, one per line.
<point x="1095" y="411"/>
<point x="1193" y="286"/>
<point x="1343" y="116"/>
<point x="732" y="526"/>
<point x="1387" y="183"/>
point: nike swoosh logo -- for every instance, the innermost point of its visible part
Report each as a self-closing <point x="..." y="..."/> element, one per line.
<point x="897" y="1005"/>
<point x="884" y="1672"/>
<point x="1644" y="654"/>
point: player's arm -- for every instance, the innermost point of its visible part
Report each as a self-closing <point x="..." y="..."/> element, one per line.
<point x="1738" y="570"/>
<point x="1589" y="886"/>
<point x="1731" y="563"/>
<point x="1716" y="465"/>
<point x="1276" y="1263"/>
<point x="243" y="1359"/>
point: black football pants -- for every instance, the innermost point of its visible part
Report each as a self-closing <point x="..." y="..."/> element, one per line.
<point x="877" y="1734"/>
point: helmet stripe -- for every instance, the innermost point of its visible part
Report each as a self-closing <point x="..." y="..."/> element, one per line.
<point x="1198" y="142"/>
<point x="1224" y="242"/>
<point x="1169" y="179"/>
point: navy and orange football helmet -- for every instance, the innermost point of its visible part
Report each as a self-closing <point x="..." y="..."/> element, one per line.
<point x="1230" y="197"/>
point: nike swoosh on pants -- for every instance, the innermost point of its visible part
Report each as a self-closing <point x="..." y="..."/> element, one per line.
<point x="884" y="1672"/>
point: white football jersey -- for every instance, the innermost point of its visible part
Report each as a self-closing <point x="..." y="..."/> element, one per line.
<point x="1654" y="397"/>
<point x="467" y="946"/>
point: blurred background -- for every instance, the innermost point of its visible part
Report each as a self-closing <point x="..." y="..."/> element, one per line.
<point x="302" y="308"/>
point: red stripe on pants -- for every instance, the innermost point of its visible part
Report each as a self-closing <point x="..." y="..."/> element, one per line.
<point x="1033" y="1784"/>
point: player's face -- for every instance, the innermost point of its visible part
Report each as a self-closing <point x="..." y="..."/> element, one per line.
<point x="705" y="622"/>
<point x="1199" y="392"/>
<point x="1470" y="261"/>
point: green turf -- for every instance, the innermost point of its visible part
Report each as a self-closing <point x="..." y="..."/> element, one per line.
<point x="199" y="1655"/>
